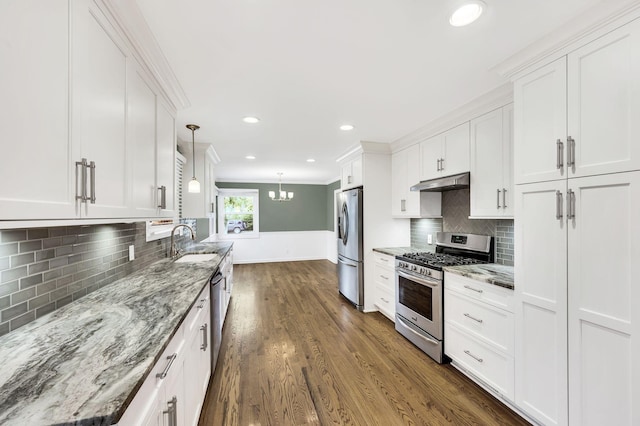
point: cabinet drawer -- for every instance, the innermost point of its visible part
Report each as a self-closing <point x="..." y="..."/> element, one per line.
<point x="198" y="310"/>
<point x="494" y="295"/>
<point x="493" y="368"/>
<point x="384" y="260"/>
<point x="491" y="325"/>
<point x="384" y="277"/>
<point x="385" y="301"/>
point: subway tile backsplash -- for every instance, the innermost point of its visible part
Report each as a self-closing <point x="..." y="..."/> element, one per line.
<point x="43" y="269"/>
<point x="455" y="218"/>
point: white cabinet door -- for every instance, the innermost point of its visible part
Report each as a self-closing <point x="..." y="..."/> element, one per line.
<point x="356" y="170"/>
<point x="99" y="109"/>
<point x="399" y="189"/>
<point x="37" y="169"/>
<point x="405" y="170"/>
<point x="486" y="165"/>
<point x="430" y="156"/>
<point x="604" y="386"/>
<point x="491" y="164"/>
<point x="541" y="301"/>
<point x="540" y="118"/>
<point x="351" y="172"/>
<point x="604" y="103"/>
<point x="141" y="126"/>
<point x="455" y="151"/>
<point x="166" y="160"/>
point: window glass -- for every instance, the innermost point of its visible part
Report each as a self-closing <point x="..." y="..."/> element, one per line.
<point x="238" y="215"/>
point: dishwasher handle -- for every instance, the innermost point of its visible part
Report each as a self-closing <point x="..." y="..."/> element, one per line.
<point x="216" y="277"/>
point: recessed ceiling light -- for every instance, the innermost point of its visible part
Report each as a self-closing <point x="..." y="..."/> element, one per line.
<point x="467" y="12"/>
<point x="251" y="120"/>
<point x="310" y="160"/>
<point x="250" y="157"/>
<point x="346" y="127"/>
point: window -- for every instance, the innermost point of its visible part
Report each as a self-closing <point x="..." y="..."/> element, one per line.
<point x="238" y="213"/>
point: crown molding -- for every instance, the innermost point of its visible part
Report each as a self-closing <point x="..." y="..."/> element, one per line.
<point x="494" y="99"/>
<point x="593" y="23"/>
<point x="131" y="22"/>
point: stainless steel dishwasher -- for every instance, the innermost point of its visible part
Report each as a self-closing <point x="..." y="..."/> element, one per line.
<point x="217" y="315"/>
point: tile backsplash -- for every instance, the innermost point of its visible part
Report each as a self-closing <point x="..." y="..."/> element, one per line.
<point x="455" y="218"/>
<point x="43" y="269"/>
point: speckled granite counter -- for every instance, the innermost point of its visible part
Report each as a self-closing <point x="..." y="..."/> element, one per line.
<point x="83" y="363"/>
<point x="397" y="251"/>
<point x="491" y="273"/>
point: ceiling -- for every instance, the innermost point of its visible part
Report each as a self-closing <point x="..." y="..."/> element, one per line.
<point x="304" y="67"/>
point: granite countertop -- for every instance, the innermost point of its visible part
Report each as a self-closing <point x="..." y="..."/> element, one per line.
<point x="83" y="363"/>
<point x="492" y="273"/>
<point x="397" y="251"/>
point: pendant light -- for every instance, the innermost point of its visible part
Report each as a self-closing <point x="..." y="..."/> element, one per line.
<point x="282" y="195"/>
<point x="194" y="185"/>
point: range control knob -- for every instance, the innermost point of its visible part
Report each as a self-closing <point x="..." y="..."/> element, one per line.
<point x="428" y="272"/>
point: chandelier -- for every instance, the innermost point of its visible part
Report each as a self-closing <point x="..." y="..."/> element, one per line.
<point x="283" y="195"/>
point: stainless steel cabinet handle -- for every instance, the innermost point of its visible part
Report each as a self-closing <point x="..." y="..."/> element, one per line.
<point x="403" y="205"/>
<point x="384" y="300"/>
<point x="205" y="342"/>
<point x="442" y="164"/>
<point x="349" y="179"/>
<point x="172" y="411"/>
<point x="92" y="167"/>
<point x="163" y="197"/>
<point x="383" y="259"/>
<point x="83" y="180"/>
<point x="473" y="356"/>
<point x="558" y="205"/>
<point x="504" y="198"/>
<point x="571" y="205"/>
<point x="438" y="165"/>
<point x="171" y="358"/>
<point x="559" y="154"/>
<point x="474" y="289"/>
<point x="498" y="198"/>
<point x="213" y="208"/>
<point x="383" y="277"/>
<point x="571" y="152"/>
<point x="201" y="305"/>
<point x="473" y="318"/>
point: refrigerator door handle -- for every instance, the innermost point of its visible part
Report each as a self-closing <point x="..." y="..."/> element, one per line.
<point x="345" y="224"/>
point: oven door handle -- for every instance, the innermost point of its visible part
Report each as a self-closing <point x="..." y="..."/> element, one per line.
<point x="408" y="327"/>
<point x="423" y="281"/>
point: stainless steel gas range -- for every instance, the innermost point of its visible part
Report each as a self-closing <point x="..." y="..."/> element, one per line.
<point x="420" y="287"/>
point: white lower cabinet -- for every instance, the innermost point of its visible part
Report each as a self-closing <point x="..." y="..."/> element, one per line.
<point x="174" y="390"/>
<point x="479" y="332"/>
<point x="384" y="269"/>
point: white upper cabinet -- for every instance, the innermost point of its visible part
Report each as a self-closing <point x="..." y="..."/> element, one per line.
<point x="604" y="103"/>
<point x="100" y="111"/>
<point x="37" y="167"/>
<point x="166" y="161"/>
<point x="84" y="126"/>
<point x="578" y="115"/>
<point x="445" y="154"/>
<point x="141" y="109"/>
<point x="491" y="164"/>
<point x="351" y="172"/>
<point x="405" y="172"/>
<point x="540" y="124"/>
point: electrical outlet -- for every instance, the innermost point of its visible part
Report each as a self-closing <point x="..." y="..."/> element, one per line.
<point x="429" y="239"/>
<point x="132" y="254"/>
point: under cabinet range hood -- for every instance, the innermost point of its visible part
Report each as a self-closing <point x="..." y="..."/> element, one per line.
<point x="442" y="184"/>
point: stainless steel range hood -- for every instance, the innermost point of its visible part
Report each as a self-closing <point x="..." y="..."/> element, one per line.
<point x="442" y="184"/>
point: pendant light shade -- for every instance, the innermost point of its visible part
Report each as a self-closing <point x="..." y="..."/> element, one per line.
<point x="282" y="195"/>
<point x="194" y="185"/>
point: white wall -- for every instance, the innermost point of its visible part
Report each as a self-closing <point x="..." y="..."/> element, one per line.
<point x="286" y="246"/>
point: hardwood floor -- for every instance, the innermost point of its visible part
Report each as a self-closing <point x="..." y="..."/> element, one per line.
<point x="294" y="352"/>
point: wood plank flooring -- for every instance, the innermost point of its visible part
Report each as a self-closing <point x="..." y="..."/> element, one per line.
<point x="294" y="352"/>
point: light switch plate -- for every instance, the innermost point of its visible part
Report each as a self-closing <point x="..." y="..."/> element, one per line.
<point x="132" y="254"/>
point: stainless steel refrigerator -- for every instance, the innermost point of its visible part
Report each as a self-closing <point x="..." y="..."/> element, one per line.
<point x="350" y="251"/>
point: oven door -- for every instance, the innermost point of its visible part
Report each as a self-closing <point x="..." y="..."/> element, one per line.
<point x="419" y="300"/>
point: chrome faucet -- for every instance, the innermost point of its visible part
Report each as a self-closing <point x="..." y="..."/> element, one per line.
<point x="174" y="251"/>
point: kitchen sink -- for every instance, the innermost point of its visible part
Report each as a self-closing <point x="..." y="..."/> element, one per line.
<point x="194" y="258"/>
